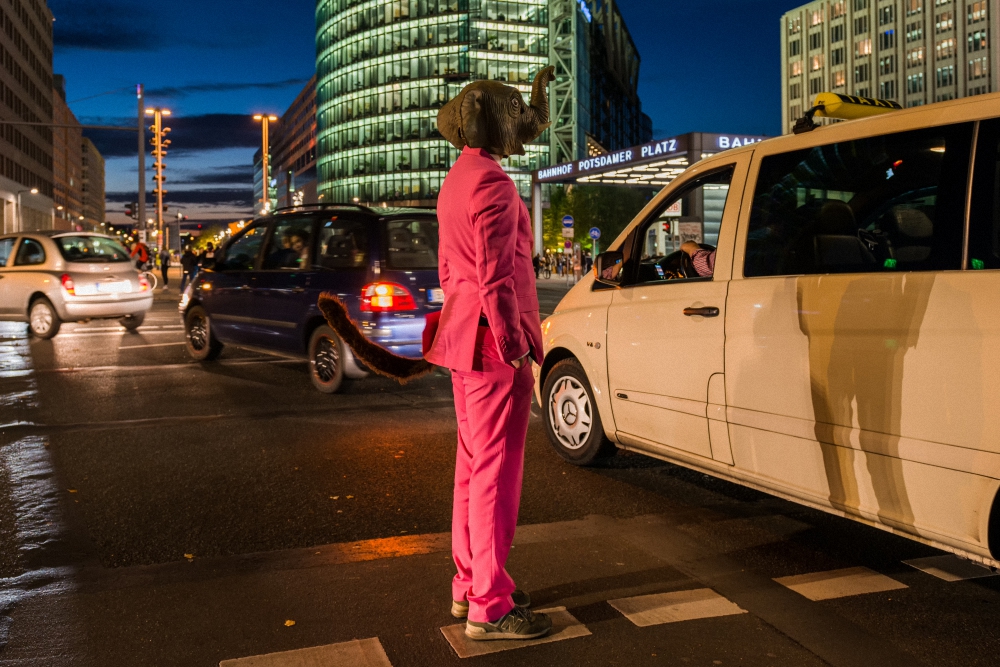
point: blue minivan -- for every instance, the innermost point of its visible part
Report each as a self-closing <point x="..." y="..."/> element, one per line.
<point x="262" y="290"/>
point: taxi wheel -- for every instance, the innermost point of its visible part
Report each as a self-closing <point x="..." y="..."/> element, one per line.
<point x="571" y="418"/>
<point x="326" y="360"/>
<point x="198" y="338"/>
<point x="43" y="321"/>
<point x="132" y="322"/>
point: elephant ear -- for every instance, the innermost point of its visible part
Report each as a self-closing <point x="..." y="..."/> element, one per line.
<point x="450" y="121"/>
<point x="474" y="126"/>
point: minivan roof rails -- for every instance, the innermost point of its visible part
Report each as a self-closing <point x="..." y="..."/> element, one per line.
<point x="843" y="107"/>
<point x="320" y="207"/>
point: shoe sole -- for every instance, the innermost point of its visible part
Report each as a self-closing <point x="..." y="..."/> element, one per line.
<point x="478" y="635"/>
<point x="459" y="611"/>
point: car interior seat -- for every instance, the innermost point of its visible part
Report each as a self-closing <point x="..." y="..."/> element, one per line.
<point x="915" y="229"/>
<point x="836" y="245"/>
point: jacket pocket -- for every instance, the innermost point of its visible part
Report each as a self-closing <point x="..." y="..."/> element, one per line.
<point x="527" y="302"/>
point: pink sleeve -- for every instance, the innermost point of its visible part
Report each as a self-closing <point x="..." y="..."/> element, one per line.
<point x="494" y="208"/>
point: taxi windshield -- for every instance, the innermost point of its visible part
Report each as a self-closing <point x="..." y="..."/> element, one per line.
<point x="91" y="249"/>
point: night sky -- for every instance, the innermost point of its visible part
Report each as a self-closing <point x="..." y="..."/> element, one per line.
<point x="708" y="66"/>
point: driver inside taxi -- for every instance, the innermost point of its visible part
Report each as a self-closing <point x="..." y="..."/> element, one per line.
<point x="702" y="259"/>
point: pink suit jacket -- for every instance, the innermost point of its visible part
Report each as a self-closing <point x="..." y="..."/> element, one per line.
<point x="484" y="262"/>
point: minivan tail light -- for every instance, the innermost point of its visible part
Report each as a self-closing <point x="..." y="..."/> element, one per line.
<point x="68" y="284"/>
<point x="386" y="298"/>
<point x="143" y="283"/>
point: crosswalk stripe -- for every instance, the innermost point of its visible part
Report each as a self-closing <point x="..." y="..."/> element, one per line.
<point x="357" y="653"/>
<point x="950" y="568"/>
<point x="839" y="583"/>
<point x="647" y="610"/>
<point x="564" y="626"/>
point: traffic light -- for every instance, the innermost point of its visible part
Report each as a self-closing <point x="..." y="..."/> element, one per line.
<point x="132" y="210"/>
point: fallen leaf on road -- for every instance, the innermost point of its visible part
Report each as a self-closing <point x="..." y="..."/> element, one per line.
<point x="349" y="497"/>
<point x="289" y="623"/>
<point x="189" y="556"/>
<point x="335" y="497"/>
<point x="71" y="490"/>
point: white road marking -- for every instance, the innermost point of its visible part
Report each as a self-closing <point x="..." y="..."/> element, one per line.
<point x="950" y="568"/>
<point x="165" y="367"/>
<point x="564" y="626"/>
<point x="137" y="347"/>
<point x="357" y="653"/>
<point x="647" y="610"/>
<point x="123" y="332"/>
<point x="839" y="583"/>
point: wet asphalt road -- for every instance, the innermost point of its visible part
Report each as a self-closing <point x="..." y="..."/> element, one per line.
<point x="154" y="511"/>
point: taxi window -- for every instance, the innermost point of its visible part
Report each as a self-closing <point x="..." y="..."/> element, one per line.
<point x="6" y="248"/>
<point x="984" y="223"/>
<point x="881" y="204"/>
<point x="30" y="253"/>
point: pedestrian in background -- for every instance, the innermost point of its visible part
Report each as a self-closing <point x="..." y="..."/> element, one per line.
<point x="165" y="267"/>
<point x="189" y="265"/>
<point x="207" y="257"/>
<point x="536" y="261"/>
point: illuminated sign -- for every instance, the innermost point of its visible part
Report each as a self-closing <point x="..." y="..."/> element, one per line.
<point x="586" y="10"/>
<point x="725" y="141"/>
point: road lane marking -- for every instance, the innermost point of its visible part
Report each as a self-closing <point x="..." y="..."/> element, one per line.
<point x="166" y="367"/>
<point x="138" y="347"/>
<point x="950" y="568"/>
<point x="839" y="583"/>
<point x="564" y="626"/>
<point x="647" y="610"/>
<point x="106" y="334"/>
<point x="357" y="653"/>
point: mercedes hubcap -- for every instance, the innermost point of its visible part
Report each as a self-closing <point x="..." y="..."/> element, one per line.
<point x="326" y="360"/>
<point x="41" y="319"/>
<point x="570" y="412"/>
<point x="198" y="333"/>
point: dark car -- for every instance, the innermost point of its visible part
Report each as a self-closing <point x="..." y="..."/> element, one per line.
<point x="263" y="288"/>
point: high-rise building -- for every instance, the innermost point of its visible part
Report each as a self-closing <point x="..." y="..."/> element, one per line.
<point x="293" y="155"/>
<point x="910" y="51"/>
<point x="67" y="160"/>
<point x="384" y="71"/>
<point x="26" y="97"/>
<point x="93" y="186"/>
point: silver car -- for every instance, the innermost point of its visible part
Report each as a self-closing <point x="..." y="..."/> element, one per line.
<point x="50" y="278"/>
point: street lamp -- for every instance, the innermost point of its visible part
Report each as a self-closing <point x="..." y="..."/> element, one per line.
<point x="265" y="122"/>
<point x="20" y="216"/>
<point x="160" y="143"/>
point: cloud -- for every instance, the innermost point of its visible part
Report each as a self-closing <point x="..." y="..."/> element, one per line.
<point x="103" y="26"/>
<point x="237" y="174"/>
<point x="173" y="92"/>
<point x="229" y="197"/>
<point x="188" y="134"/>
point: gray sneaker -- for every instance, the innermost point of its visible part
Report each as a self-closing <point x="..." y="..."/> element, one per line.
<point x="460" y="608"/>
<point x="519" y="623"/>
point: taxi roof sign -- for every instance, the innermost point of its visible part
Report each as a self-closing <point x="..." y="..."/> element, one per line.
<point x="843" y="107"/>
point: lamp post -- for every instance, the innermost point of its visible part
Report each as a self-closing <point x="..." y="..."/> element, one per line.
<point x="160" y="143"/>
<point x="265" y="122"/>
<point x="20" y="215"/>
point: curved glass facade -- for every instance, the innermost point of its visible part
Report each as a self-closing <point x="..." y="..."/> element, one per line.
<point x="385" y="68"/>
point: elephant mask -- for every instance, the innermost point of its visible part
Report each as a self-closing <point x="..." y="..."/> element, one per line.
<point x="493" y="116"/>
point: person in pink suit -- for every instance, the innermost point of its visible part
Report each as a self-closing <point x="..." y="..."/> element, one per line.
<point x="488" y="335"/>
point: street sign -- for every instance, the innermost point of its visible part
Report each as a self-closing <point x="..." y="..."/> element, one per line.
<point x="568" y="221"/>
<point x="568" y="232"/>
<point x="595" y="233"/>
<point x="569" y="245"/>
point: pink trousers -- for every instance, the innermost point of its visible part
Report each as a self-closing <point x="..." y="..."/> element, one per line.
<point x="492" y="406"/>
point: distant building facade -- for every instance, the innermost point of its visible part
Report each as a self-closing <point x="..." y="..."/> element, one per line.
<point x="384" y="71"/>
<point x="26" y="91"/>
<point x="911" y="51"/>
<point x="293" y="155"/>
<point x="92" y="178"/>
<point x="67" y="160"/>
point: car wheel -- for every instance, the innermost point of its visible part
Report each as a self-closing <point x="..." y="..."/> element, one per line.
<point x="326" y="360"/>
<point x="201" y="344"/>
<point x="43" y="321"/>
<point x="571" y="417"/>
<point x="132" y="322"/>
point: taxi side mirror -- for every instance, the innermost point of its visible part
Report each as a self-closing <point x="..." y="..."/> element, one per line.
<point x="608" y="268"/>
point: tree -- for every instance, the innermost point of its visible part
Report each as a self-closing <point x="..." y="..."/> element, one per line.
<point x="609" y="208"/>
<point x="208" y="235"/>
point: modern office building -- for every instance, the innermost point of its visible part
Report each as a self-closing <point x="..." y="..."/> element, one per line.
<point x="93" y="188"/>
<point x="293" y="155"/>
<point x="25" y="96"/>
<point x="67" y="160"/>
<point x="384" y="71"/>
<point x="910" y="51"/>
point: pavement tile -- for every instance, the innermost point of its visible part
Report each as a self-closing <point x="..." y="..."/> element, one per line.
<point x="357" y="653"/>
<point x="950" y="567"/>
<point x="839" y="583"/>
<point x="564" y="626"/>
<point x="647" y="610"/>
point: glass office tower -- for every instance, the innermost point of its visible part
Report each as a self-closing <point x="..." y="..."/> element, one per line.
<point x="384" y="70"/>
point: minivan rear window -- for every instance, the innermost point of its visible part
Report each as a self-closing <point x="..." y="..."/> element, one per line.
<point x="90" y="249"/>
<point x="411" y="244"/>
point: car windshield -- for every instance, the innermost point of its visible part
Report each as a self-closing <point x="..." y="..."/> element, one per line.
<point x="411" y="244"/>
<point x="91" y="249"/>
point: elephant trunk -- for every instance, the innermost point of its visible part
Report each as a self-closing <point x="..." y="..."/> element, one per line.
<point x="540" y="96"/>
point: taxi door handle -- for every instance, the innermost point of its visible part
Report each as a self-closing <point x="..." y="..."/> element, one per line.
<point x="704" y="312"/>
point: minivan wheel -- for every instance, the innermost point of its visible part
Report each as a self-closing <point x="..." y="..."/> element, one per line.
<point x="132" y="322"/>
<point x="326" y="360"/>
<point x="43" y="321"/>
<point x="571" y="417"/>
<point x="201" y="344"/>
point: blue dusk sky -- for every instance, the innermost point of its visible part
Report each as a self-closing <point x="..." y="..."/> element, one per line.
<point x="706" y="66"/>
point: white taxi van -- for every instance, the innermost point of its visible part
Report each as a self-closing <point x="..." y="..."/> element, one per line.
<point x="845" y="352"/>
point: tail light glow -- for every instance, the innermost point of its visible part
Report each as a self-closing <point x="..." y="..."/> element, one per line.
<point x="386" y="298"/>
<point x="143" y="284"/>
<point x="68" y="284"/>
